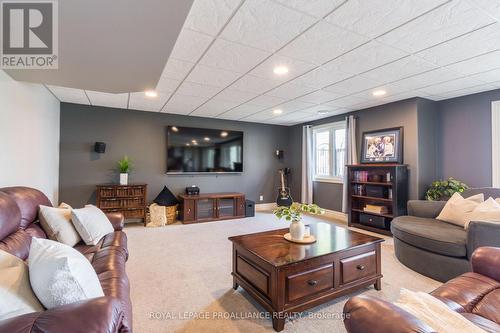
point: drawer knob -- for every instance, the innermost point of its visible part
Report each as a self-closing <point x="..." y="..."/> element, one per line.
<point x="360" y="267"/>
<point x="312" y="282"/>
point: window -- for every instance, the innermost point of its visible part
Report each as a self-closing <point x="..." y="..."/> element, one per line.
<point x="329" y="151"/>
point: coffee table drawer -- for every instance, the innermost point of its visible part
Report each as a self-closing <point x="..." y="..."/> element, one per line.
<point x="309" y="282"/>
<point x="358" y="267"/>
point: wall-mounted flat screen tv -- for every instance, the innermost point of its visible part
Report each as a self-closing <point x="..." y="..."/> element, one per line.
<point x="202" y="150"/>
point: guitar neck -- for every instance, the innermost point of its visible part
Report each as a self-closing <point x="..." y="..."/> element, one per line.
<point x="282" y="181"/>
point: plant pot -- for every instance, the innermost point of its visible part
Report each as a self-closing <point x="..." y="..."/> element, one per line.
<point x="123" y="178"/>
<point x="297" y="230"/>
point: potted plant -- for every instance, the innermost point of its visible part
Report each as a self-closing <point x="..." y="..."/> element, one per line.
<point x="124" y="165"/>
<point x="294" y="214"/>
<point x="444" y="189"/>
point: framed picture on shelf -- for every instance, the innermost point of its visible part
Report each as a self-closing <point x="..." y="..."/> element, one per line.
<point x="382" y="146"/>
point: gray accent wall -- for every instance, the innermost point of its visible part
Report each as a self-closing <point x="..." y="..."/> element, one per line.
<point x="464" y="138"/>
<point x="141" y="136"/>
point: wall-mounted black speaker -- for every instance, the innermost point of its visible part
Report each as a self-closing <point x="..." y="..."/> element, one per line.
<point x="100" y="147"/>
<point x="279" y="154"/>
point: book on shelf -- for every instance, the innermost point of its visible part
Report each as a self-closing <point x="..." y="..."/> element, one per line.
<point x="376" y="209"/>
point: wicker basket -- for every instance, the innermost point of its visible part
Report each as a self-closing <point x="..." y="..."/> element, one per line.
<point x="159" y="216"/>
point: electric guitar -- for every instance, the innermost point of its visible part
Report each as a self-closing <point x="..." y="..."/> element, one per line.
<point x="284" y="197"/>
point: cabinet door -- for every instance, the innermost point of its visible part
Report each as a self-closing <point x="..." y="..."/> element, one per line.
<point x="226" y="207"/>
<point x="188" y="210"/>
<point x="240" y="206"/>
<point x="205" y="209"/>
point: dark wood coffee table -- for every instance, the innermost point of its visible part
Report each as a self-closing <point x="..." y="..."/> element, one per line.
<point x="287" y="277"/>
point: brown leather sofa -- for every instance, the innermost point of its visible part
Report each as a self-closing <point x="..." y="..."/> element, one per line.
<point x="109" y="314"/>
<point x="475" y="295"/>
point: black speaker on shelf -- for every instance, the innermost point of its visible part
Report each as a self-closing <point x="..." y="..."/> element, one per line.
<point x="249" y="208"/>
<point x="100" y="147"/>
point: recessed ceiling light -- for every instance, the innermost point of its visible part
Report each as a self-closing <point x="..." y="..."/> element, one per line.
<point x="223" y="134"/>
<point x="206" y="138"/>
<point x="280" y="70"/>
<point x="151" y="93"/>
<point x="175" y="129"/>
<point x="187" y="144"/>
<point x="194" y="141"/>
<point x="278" y="111"/>
<point x="379" y="93"/>
<point x="323" y="111"/>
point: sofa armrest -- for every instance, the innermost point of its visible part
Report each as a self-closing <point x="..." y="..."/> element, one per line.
<point x="482" y="233"/>
<point x="369" y="314"/>
<point x="117" y="220"/>
<point x="425" y="208"/>
<point x="486" y="261"/>
<point x="102" y="314"/>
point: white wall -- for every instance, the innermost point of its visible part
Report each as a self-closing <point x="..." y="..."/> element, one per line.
<point x="29" y="136"/>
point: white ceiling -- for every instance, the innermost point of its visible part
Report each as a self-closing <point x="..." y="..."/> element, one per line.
<point x="338" y="52"/>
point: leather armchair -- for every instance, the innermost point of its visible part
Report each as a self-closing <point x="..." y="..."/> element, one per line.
<point x="473" y="295"/>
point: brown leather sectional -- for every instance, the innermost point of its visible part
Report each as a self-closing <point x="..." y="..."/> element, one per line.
<point x="475" y="295"/>
<point x="109" y="314"/>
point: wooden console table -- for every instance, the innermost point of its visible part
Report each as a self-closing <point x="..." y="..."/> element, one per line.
<point x="130" y="200"/>
<point x="211" y="207"/>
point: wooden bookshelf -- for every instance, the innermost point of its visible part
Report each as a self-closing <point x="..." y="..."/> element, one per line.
<point x="380" y="185"/>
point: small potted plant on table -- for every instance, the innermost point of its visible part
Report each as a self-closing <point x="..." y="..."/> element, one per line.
<point x="294" y="214"/>
<point x="124" y="166"/>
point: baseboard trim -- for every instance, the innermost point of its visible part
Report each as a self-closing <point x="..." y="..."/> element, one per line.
<point x="265" y="206"/>
<point x="336" y="215"/>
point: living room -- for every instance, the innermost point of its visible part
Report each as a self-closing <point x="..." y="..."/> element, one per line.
<point x="250" y="166"/>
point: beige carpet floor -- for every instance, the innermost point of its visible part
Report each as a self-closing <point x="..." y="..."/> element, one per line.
<point x="180" y="276"/>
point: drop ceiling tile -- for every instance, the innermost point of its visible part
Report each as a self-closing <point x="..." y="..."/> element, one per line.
<point x="316" y="8"/>
<point x="212" y="76"/>
<point x="293" y="106"/>
<point x="446" y="22"/>
<point x="209" y="16"/>
<point x="478" y="42"/>
<point x="478" y="64"/>
<point x="295" y="68"/>
<point x="196" y="89"/>
<point x="468" y="91"/>
<point x="108" y="100"/>
<point x="352" y="85"/>
<point x="399" y="69"/>
<point x="322" y="43"/>
<point x="321" y="77"/>
<point x="232" y="56"/>
<point x="139" y="101"/>
<point x="183" y="104"/>
<point x="267" y="101"/>
<point x="254" y="84"/>
<point x="293" y="116"/>
<point x="213" y="108"/>
<point x="241" y="111"/>
<point x="176" y="69"/>
<point x="70" y="95"/>
<point x="366" y="57"/>
<point x="375" y="17"/>
<point x="492" y="7"/>
<point x="260" y="116"/>
<point x="319" y="96"/>
<point x="445" y="87"/>
<point x="265" y="25"/>
<point x="236" y="96"/>
<point x="346" y="102"/>
<point x="317" y="108"/>
<point x="492" y="76"/>
<point x="290" y="91"/>
<point x="167" y="85"/>
<point x="190" y="45"/>
<point x="426" y="79"/>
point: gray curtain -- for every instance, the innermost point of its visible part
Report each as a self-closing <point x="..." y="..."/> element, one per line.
<point x="351" y="156"/>
<point x="307" y="158"/>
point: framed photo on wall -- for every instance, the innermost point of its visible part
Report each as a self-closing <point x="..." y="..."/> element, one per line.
<point x="382" y="146"/>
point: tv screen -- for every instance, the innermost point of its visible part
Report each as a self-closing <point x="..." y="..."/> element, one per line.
<point x="203" y="150"/>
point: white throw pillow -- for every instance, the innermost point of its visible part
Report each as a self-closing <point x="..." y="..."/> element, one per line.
<point x="91" y="223"/>
<point x="56" y="222"/>
<point x="60" y="275"/>
<point x="16" y="295"/>
<point x="486" y="211"/>
<point x="457" y="209"/>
